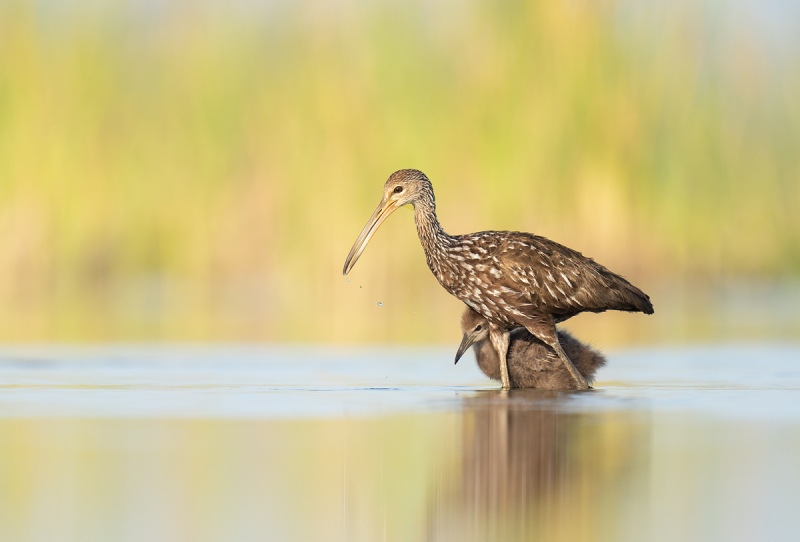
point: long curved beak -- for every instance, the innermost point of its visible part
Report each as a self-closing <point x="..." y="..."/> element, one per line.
<point x="466" y="342"/>
<point x="381" y="213"/>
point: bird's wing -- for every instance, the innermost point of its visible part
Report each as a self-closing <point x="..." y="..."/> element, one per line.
<point x="556" y="279"/>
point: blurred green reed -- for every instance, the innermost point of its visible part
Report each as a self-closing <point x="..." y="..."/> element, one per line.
<point x="184" y="170"/>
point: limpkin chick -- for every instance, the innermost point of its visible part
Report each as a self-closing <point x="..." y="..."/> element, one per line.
<point x="531" y="363"/>
<point x="513" y="279"/>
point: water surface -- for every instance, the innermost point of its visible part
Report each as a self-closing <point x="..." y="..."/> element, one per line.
<point x="297" y="443"/>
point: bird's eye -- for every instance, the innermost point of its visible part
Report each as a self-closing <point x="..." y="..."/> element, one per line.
<point x="398" y="189"/>
<point x="478" y="327"/>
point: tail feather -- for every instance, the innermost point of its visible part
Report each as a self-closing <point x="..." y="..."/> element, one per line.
<point x="636" y="300"/>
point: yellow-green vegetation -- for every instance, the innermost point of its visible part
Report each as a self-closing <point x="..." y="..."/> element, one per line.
<point x="184" y="170"/>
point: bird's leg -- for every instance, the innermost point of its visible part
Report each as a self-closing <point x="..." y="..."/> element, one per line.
<point x="500" y="339"/>
<point x="579" y="380"/>
<point x="544" y="329"/>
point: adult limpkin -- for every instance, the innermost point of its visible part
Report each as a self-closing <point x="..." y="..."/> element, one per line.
<point x="531" y="363"/>
<point x="512" y="279"/>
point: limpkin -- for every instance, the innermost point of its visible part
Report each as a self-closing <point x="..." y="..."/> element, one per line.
<point x="512" y="279"/>
<point x="531" y="363"/>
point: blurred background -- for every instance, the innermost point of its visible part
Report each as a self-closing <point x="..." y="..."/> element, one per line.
<point x="197" y="171"/>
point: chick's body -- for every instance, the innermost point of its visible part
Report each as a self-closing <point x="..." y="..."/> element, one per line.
<point x="531" y="363"/>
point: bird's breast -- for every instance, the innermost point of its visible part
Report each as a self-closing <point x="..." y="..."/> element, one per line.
<point x="489" y="301"/>
<point x="481" y="282"/>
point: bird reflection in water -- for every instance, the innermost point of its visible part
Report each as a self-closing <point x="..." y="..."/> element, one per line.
<point x="531" y="469"/>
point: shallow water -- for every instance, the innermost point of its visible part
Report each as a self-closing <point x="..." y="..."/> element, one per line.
<point x="264" y="443"/>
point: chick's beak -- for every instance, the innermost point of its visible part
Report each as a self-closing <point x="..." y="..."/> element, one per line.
<point x="385" y="208"/>
<point x="466" y="342"/>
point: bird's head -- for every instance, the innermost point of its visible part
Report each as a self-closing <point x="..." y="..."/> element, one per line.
<point x="403" y="187"/>
<point x="475" y="329"/>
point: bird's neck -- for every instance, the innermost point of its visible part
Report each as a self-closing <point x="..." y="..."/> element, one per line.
<point x="433" y="238"/>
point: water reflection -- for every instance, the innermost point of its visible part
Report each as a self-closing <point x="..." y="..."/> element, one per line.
<point x="164" y="445"/>
<point x="494" y="467"/>
<point x="530" y="467"/>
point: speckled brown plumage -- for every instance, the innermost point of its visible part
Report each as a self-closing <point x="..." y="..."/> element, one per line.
<point x="512" y="279"/>
<point x="531" y="363"/>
